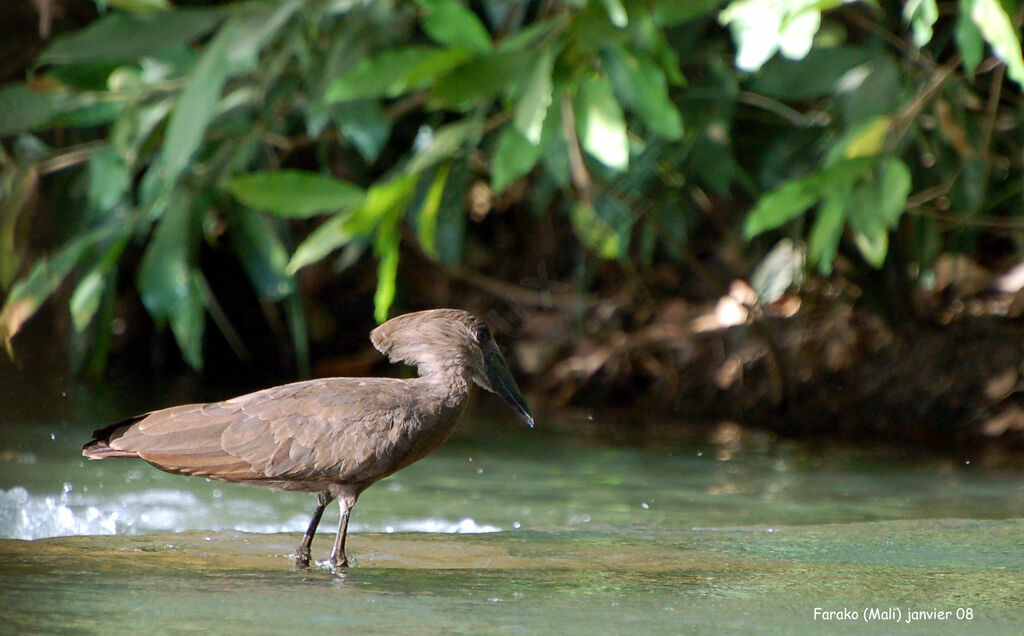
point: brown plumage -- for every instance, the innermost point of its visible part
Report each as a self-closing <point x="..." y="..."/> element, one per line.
<point x="335" y="436"/>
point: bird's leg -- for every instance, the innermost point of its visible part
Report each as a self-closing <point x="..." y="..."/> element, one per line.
<point x="302" y="554"/>
<point x="338" y="558"/>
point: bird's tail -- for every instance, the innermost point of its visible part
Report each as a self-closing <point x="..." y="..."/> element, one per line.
<point x="99" y="446"/>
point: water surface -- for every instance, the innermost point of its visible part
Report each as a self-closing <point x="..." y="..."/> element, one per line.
<point x="593" y="522"/>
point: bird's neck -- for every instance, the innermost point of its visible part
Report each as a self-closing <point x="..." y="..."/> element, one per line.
<point x="449" y="385"/>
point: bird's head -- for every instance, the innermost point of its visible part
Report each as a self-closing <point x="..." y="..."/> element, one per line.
<point x="446" y="340"/>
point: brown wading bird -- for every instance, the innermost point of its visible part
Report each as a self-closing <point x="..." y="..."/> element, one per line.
<point x="335" y="436"/>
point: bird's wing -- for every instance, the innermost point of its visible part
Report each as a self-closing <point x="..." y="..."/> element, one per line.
<point x="333" y="430"/>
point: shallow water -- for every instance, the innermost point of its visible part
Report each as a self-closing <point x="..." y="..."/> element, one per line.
<point x="577" y="526"/>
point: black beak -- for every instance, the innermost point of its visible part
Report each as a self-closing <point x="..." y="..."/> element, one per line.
<point x="502" y="383"/>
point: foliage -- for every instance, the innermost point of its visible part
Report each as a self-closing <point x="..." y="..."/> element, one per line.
<point x="240" y="125"/>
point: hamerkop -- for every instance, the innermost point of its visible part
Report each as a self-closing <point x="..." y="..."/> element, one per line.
<point x="335" y="436"/>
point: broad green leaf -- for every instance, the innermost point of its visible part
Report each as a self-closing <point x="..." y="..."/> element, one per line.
<point x="451" y="217"/>
<point x="968" y="39"/>
<point x="514" y="157"/>
<point x="818" y="75"/>
<point x="616" y="12"/>
<point x="329" y="236"/>
<point x="998" y="30"/>
<point x="443" y="143"/>
<point x="779" y="270"/>
<point x="109" y="179"/>
<point x="531" y="35"/>
<point x="165" y="271"/>
<point x="641" y="84"/>
<point x="381" y="199"/>
<point x="366" y="125"/>
<point x="532" y="105"/>
<point x="166" y="279"/>
<point x="601" y="125"/>
<point x="823" y="242"/>
<point x="873" y="245"/>
<point x="922" y="16"/>
<point x="48" y="272"/>
<point x="893" y="191"/>
<point x="25" y="109"/>
<point x="124" y="37"/>
<point x="85" y="301"/>
<point x="867" y="225"/>
<point x="140" y="5"/>
<point x="394" y="72"/>
<point x="16" y="188"/>
<point x="479" y="80"/>
<point x="426" y="221"/>
<point x="234" y="49"/>
<point x="294" y="193"/>
<point x="595" y="232"/>
<point x="386" y="248"/>
<point x="256" y="242"/>
<point x="780" y="206"/>
<point x="450" y="23"/>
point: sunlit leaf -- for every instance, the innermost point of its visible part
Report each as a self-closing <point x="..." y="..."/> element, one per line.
<point x="85" y="301"/>
<point x="595" y="232"/>
<point x="443" y="143"/>
<point x="123" y="37"/>
<point x="294" y="193"/>
<point x="601" y="125"/>
<point x="781" y="268"/>
<point x="450" y="23"/>
<point x="386" y="248"/>
<point x="643" y="87"/>
<point x="532" y="105"/>
<point x="866" y="140"/>
<point x="893" y="191"/>
<point x="394" y="72"/>
<point x="780" y="206"/>
<point x="232" y="50"/>
<point x="922" y="16"/>
<point x="426" y="221"/>
<point x="998" y="30"/>
<point x="616" y="12"/>
<point x="28" y="293"/>
<point x="514" y="157"/>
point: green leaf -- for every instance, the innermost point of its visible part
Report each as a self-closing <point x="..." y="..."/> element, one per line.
<point x="366" y="125"/>
<point x="46" y="275"/>
<point x="968" y="39"/>
<point x="125" y="37"/>
<point x="641" y="84"/>
<point x="814" y="77"/>
<point x="673" y="12"/>
<point x="381" y="199"/>
<point x="922" y="16"/>
<point x="780" y="206"/>
<point x="259" y="248"/>
<point x="85" y="301"/>
<point x="893" y="191"/>
<point x="479" y="80"/>
<point x="514" y="157"/>
<point x="450" y="23"/>
<point x="294" y="193"/>
<point x="998" y="30"/>
<point x="443" y="143"/>
<point x="394" y="72"/>
<point x="109" y="179"/>
<point x="601" y="125"/>
<point x="164" y="275"/>
<point x="595" y="232"/>
<point x="16" y="187"/>
<point x="616" y="12"/>
<point x="386" y="248"/>
<point x="532" y="105"/>
<point x="426" y="221"/>
<point x="234" y="49"/>
<point x="823" y="242"/>
<point x="25" y="109"/>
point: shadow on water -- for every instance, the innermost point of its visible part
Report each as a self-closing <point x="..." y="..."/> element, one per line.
<point x="593" y="521"/>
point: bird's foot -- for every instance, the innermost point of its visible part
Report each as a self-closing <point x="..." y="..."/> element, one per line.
<point x="338" y="563"/>
<point x="301" y="558"/>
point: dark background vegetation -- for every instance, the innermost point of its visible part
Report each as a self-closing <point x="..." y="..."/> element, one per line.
<point x="798" y="215"/>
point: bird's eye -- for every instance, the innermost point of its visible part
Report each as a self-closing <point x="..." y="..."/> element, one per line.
<point x="482" y="334"/>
